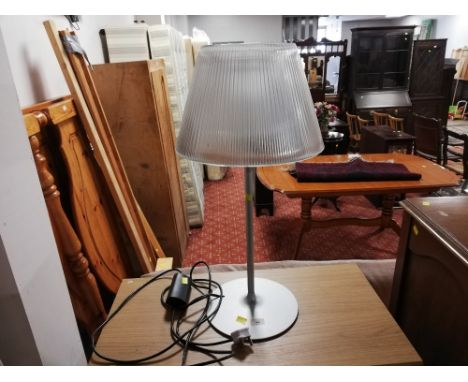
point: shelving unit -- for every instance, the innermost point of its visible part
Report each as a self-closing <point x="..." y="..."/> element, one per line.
<point x="381" y="57"/>
<point x="379" y="71"/>
<point x="324" y="49"/>
<point x="431" y="79"/>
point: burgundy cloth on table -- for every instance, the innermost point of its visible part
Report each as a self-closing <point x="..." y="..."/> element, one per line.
<point x="354" y="170"/>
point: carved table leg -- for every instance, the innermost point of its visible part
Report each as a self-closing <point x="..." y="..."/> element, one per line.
<point x="306" y="216"/>
<point x="387" y="213"/>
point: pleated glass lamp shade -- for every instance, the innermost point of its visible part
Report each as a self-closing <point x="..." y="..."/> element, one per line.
<point x="249" y="105"/>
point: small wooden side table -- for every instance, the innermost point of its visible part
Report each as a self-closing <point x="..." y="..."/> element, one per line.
<point x="383" y="139"/>
<point x="341" y="322"/>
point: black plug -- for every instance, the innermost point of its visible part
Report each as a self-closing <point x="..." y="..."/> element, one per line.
<point x="179" y="292"/>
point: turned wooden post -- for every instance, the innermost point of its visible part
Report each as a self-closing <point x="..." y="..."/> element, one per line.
<point x="70" y="244"/>
<point x="306" y="216"/>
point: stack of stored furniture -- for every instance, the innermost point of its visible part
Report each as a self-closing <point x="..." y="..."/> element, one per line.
<point x="167" y="44"/>
<point x="101" y="233"/>
<point x="88" y="244"/>
<point x="138" y="111"/>
<point x="125" y="44"/>
<point x="77" y="74"/>
<point x="94" y="246"/>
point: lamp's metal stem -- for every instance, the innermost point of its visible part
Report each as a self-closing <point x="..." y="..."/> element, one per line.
<point x="249" y="198"/>
<point x="267" y="313"/>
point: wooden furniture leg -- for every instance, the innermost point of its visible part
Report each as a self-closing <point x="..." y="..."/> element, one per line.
<point x="384" y="221"/>
<point x="306" y="217"/>
<point x="387" y="221"/>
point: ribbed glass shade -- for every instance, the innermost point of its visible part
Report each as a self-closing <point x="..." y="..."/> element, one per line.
<point x="249" y="105"/>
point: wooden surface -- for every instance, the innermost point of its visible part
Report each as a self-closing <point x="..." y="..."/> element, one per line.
<point x="430" y="286"/>
<point x="93" y="213"/>
<point x="76" y="74"/>
<point x="433" y="177"/>
<point x="384" y="139"/>
<point x="133" y="222"/>
<point x="430" y="79"/>
<point x="341" y="322"/>
<point x="81" y="282"/>
<point x="139" y="116"/>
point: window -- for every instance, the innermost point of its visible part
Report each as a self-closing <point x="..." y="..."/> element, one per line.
<point x="299" y="27"/>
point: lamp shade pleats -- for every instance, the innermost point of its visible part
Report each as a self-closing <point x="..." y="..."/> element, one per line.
<point x="249" y="105"/>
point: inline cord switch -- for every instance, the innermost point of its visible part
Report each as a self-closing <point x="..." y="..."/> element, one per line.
<point x="179" y="292"/>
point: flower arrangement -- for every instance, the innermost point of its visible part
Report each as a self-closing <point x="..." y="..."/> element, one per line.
<point x="326" y="112"/>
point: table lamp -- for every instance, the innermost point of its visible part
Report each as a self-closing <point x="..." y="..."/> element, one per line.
<point x="249" y="105"/>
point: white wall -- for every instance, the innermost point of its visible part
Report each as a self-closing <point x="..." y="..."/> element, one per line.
<point x="455" y="28"/>
<point x="180" y="23"/>
<point x="149" y="19"/>
<point x="36" y="73"/>
<point x="38" y="325"/>
<point x="239" y="28"/>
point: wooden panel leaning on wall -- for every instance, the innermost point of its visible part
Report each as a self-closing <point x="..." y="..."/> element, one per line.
<point x="82" y="284"/>
<point x="92" y="211"/>
<point x="77" y="75"/>
<point x="138" y="111"/>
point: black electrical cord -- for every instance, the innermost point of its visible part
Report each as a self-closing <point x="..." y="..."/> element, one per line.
<point x="207" y="295"/>
<point x="200" y="284"/>
<point x="204" y="316"/>
<point x="204" y="313"/>
<point x="118" y="309"/>
<point x="217" y="360"/>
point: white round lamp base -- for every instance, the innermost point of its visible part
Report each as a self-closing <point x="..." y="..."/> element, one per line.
<point x="274" y="312"/>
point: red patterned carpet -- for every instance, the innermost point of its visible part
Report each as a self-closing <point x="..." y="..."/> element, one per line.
<point x="222" y="237"/>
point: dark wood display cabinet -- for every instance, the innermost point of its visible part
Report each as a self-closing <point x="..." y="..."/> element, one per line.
<point x="430" y="285"/>
<point x="381" y="57"/>
<point x="379" y="71"/>
<point x="431" y="79"/>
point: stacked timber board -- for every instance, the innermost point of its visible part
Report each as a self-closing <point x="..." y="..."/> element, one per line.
<point x="168" y="44"/>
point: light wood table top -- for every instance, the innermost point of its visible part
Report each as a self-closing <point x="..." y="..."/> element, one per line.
<point x="341" y="322"/>
<point x="277" y="178"/>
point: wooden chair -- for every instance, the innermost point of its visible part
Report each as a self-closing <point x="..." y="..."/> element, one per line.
<point x="380" y="119"/>
<point x="459" y="164"/>
<point x="430" y="141"/>
<point x="395" y="123"/>
<point x="354" y="124"/>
